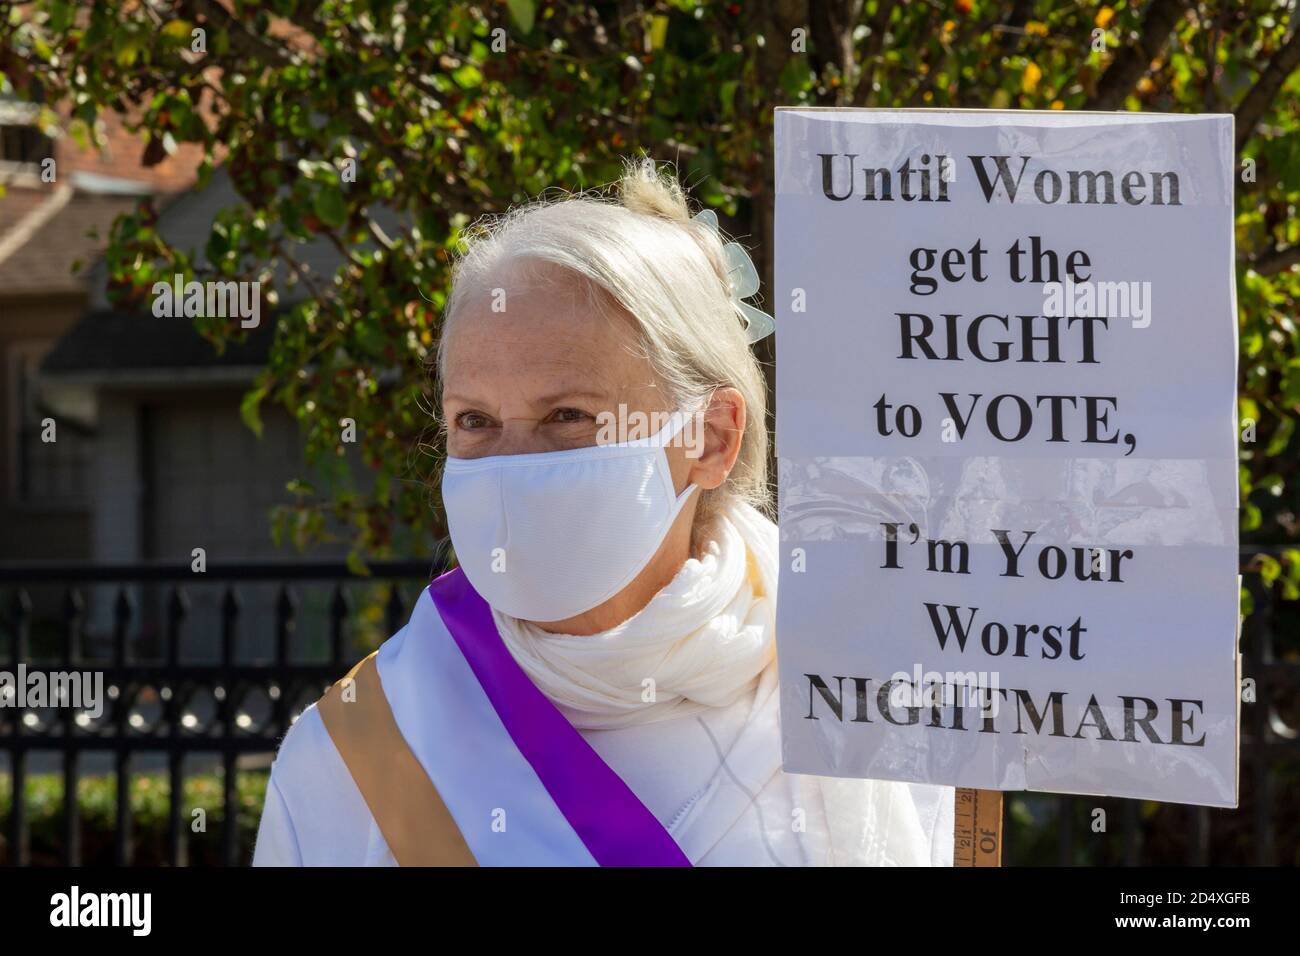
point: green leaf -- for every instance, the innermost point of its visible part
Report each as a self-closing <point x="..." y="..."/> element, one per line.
<point x="330" y="206"/>
<point x="727" y="97"/>
<point x="178" y="31"/>
<point x="1281" y="437"/>
<point x="468" y="77"/>
<point x="250" y="410"/>
<point x="127" y="49"/>
<point x="317" y="170"/>
<point x="523" y="13"/>
<point x="1251" y="518"/>
<point x="1292" y="558"/>
<point x="658" y="32"/>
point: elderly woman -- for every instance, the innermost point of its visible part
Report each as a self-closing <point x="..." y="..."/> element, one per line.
<point x="596" y="683"/>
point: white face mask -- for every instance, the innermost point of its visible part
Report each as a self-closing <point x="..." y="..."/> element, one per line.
<point x="549" y="535"/>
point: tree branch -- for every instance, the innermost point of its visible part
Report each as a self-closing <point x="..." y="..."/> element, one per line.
<point x="1256" y="103"/>
<point x="242" y="40"/>
<point x="1013" y="25"/>
<point x="1275" y="260"/>
<point x="1132" y="60"/>
<point x="862" y="93"/>
<point x="832" y="26"/>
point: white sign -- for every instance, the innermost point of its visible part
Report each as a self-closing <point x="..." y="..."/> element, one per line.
<point x="1006" y="425"/>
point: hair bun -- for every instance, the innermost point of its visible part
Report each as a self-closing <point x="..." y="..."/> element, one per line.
<point x="645" y="188"/>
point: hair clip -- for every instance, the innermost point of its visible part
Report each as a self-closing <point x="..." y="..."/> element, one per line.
<point x="742" y="278"/>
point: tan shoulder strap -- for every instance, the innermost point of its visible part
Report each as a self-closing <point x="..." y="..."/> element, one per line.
<point x="416" y="824"/>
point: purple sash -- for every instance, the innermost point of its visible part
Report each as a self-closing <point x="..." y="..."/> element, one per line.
<point x="607" y="816"/>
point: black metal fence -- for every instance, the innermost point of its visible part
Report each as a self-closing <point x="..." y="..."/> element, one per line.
<point x="135" y="625"/>
<point x="156" y="699"/>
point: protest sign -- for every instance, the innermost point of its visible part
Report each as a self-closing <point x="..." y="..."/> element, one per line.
<point x="1006" y="430"/>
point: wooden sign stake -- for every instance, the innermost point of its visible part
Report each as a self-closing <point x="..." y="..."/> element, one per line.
<point x="977" y="830"/>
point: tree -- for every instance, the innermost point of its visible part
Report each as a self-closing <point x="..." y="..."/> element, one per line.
<point x="447" y="111"/>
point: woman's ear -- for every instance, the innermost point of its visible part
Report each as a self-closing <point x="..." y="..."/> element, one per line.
<point x="712" y="438"/>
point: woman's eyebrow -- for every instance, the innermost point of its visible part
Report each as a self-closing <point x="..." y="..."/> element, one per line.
<point x="549" y="399"/>
<point x="463" y="399"/>
<point x="558" y="396"/>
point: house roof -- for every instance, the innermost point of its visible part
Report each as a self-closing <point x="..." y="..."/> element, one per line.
<point x="110" y="345"/>
<point x="139" y="348"/>
<point x="16" y="204"/>
<point x="185" y="222"/>
<point x="48" y="233"/>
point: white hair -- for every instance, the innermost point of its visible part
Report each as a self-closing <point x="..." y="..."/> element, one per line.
<point x="666" y="271"/>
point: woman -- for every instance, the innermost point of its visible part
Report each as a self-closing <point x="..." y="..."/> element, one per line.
<point x="597" y="683"/>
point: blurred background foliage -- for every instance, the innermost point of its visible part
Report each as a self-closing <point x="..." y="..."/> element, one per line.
<point x="148" y="795"/>
<point x="455" y="110"/>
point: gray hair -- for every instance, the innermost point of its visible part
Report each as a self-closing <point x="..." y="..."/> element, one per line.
<point x="646" y="253"/>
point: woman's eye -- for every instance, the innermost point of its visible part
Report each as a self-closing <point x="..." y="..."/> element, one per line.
<point x="568" y="416"/>
<point x="472" y="420"/>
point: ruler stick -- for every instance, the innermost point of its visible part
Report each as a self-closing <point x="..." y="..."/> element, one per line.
<point x="977" y="829"/>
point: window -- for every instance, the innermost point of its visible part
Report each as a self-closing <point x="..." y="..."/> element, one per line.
<point x="45" y="472"/>
<point x="22" y="144"/>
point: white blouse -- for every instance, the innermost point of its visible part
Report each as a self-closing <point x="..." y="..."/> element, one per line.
<point x="315" y="815"/>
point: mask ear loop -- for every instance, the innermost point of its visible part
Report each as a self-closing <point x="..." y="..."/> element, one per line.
<point x="684" y="497"/>
<point x="676" y="424"/>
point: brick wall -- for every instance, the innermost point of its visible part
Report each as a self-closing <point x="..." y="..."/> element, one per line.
<point x="120" y="157"/>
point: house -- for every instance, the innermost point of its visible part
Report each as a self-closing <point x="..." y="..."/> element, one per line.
<point x="150" y="457"/>
<point x="58" y="205"/>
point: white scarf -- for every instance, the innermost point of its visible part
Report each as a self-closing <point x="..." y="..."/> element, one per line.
<point x="700" y="643"/>
<point x="705" y="640"/>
